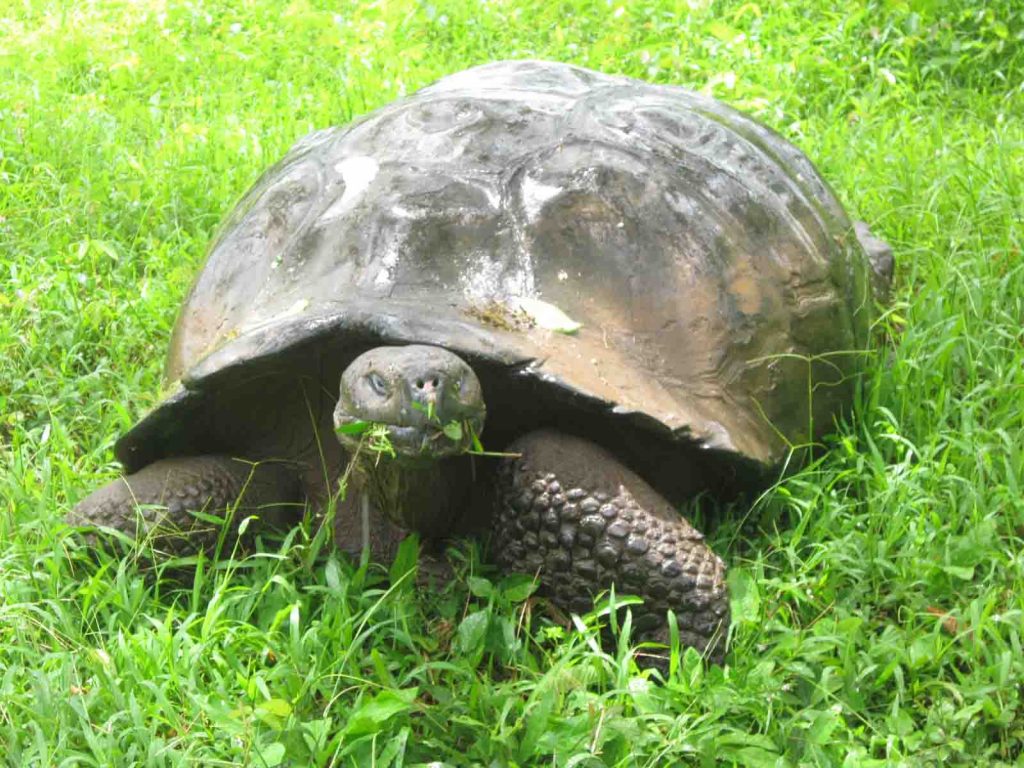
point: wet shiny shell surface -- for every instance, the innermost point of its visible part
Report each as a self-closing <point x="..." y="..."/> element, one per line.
<point x="722" y="295"/>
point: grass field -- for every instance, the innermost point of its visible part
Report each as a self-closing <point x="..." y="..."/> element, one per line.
<point x="878" y="595"/>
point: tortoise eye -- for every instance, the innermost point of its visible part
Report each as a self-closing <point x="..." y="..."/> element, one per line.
<point x="377" y="383"/>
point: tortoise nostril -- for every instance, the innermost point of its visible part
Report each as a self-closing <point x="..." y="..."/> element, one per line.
<point x="431" y="384"/>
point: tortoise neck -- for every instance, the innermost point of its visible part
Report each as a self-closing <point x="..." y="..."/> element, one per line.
<point x="422" y="496"/>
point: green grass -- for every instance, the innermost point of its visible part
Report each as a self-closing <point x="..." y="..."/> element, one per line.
<point x="878" y="595"/>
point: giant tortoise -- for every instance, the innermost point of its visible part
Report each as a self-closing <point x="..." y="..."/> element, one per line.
<point x="648" y="295"/>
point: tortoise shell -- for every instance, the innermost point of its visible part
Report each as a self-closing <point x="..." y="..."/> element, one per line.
<point x="722" y="295"/>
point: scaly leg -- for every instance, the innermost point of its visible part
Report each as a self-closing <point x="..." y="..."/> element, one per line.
<point x="570" y="511"/>
<point x="159" y="501"/>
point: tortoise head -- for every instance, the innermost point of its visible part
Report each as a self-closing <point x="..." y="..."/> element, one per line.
<point x="427" y="400"/>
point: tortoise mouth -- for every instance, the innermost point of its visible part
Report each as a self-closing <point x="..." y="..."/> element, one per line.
<point x="422" y="442"/>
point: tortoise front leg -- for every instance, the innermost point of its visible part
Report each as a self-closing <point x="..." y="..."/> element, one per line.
<point x="159" y="502"/>
<point x="570" y="511"/>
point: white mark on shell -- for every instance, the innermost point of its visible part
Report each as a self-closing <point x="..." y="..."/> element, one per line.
<point x="718" y="437"/>
<point x="546" y="315"/>
<point x="493" y="196"/>
<point x="357" y="173"/>
<point x="535" y="194"/>
<point x="388" y="252"/>
<point x="483" y="280"/>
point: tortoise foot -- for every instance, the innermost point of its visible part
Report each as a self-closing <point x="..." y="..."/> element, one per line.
<point x="174" y="503"/>
<point x="571" y="512"/>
